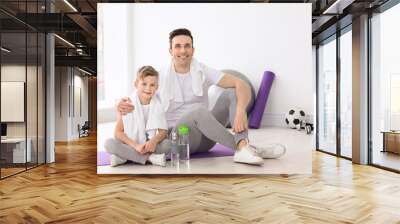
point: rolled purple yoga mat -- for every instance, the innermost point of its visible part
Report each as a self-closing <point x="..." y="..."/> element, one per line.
<point x="261" y="100"/>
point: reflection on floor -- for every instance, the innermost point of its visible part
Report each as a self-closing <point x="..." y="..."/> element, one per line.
<point x="297" y="160"/>
<point x="10" y="169"/>
<point x="387" y="159"/>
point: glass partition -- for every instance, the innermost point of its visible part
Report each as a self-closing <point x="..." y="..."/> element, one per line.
<point x="13" y="95"/>
<point x="22" y="77"/>
<point x="31" y="97"/>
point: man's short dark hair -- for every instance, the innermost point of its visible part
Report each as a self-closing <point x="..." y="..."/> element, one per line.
<point x="177" y="32"/>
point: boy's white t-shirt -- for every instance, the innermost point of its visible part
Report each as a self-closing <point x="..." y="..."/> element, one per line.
<point x="177" y="109"/>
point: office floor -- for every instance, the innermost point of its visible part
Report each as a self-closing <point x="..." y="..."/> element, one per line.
<point x="297" y="160"/>
<point x="70" y="191"/>
<point x="10" y="171"/>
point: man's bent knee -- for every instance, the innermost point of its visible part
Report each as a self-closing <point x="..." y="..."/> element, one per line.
<point x="110" y="144"/>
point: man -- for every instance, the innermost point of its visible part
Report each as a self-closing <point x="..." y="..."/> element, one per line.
<point x="184" y="94"/>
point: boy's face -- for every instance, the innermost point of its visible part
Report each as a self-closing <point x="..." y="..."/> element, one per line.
<point x="182" y="50"/>
<point x="147" y="86"/>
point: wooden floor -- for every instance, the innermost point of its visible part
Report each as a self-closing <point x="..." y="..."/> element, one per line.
<point x="10" y="171"/>
<point x="70" y="191"/>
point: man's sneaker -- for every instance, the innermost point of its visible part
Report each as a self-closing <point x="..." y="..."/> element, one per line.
<point x="272" y="151"/>
<point x="116" y="160"/>
<point x="247" y="154"/>
<point x="158" y="159"/>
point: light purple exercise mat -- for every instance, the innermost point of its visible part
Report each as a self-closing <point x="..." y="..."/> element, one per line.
<point x="261" y="100"/>
<point x="103" y="158"/>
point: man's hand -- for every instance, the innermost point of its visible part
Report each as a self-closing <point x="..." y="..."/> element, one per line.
<point x="240" y="123"/>
<point x="150" y="146"/>
<point x="125" y="106"/>
<point x="243" y="95"/>
<point x="140" y="148"/>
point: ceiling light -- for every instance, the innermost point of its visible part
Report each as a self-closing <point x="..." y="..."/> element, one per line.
<point x="84" y="71"/>
<point x="64" y="40"/>
<point x="70" y="5"/>
<point x="337" y="7"/>
<point x="5" y="50"/>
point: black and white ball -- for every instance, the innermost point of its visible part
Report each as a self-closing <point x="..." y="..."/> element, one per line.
<point x="295" y="119"/>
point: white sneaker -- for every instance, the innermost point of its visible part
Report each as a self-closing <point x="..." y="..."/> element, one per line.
<point x="271" y="151"/>
<point x="158" y="159"/>
<point x="247" y="154"/>
<point x="116" y="160"/>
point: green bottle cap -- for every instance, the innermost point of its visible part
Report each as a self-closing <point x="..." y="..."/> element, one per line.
<point x="183" y="130"/>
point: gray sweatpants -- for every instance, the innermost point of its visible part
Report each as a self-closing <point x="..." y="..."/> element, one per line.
<point x="206" y="129"/>
<point x="209" y="127"/>
<point x="122" y="150"/>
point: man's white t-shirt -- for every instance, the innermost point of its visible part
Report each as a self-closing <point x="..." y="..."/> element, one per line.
<point x="177" y="109"/>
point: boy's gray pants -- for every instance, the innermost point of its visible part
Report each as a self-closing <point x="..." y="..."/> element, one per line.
<point x="124" y="151"/>
<point x="206" y="129"/>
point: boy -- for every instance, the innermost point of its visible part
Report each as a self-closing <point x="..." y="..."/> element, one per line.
<point x="140" y="136"/>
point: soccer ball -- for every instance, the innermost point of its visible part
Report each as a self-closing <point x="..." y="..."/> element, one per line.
<point x="295" y="119"/>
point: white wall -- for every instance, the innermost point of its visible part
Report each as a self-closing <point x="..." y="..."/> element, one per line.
<point x="61" y="103"/>
<point x="12" y="73"/>
<point x="250" y="38"/>
<point x="67" y="80"/>
<point x="313" y="119"/>
<point x="80" y="118"/>
<point x="33" y="126"/>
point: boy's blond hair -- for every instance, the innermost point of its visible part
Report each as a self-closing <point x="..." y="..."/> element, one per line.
<point x="146" y="71"/>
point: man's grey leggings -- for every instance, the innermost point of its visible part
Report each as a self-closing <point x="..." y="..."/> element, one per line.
<point x="206" y="129"/>
<point x="209" y="127"/>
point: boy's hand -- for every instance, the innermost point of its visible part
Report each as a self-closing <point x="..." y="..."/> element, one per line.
<point x="150" y="146"/>
<point x="125" y="106"/>
<point x="140" y="148"/>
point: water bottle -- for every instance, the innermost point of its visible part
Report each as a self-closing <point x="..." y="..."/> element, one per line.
<point x="183" y="143"/>
<point x="174" y="149"/>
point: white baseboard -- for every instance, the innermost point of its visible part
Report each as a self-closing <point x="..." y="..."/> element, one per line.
<point x="278" y="119"/>
<point x="268" y="119"/>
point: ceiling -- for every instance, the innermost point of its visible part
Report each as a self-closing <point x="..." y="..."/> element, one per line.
<point x="76" y="20"/>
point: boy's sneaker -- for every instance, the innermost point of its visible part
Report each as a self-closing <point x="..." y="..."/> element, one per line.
<point x="247" y="154"/>
<point x="116" y="160"/>
<point x="272" y="151"/>
<point x="158" y="159"/>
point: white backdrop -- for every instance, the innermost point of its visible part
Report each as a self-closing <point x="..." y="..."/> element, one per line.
<point x="249" y="38"/>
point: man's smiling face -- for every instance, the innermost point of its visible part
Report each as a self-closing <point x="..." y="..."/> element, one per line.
<point x="182" y="50"/>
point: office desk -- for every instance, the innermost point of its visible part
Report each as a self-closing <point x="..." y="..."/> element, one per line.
<point x="15" y="148"/>
<point x="391" y="141"/>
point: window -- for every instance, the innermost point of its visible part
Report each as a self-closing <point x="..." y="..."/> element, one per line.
<point x="395" y="101"/>
<point x="346" y="93"/>
<point x="385" y="88"/>
<point x="327" y="96"/>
